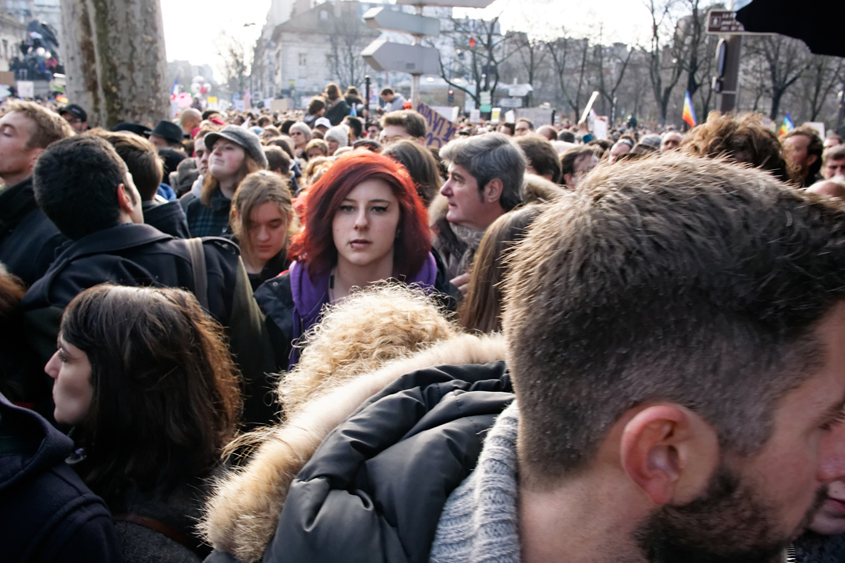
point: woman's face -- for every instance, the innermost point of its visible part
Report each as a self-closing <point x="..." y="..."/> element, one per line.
<point x="226" y="160"/>
<point x="72" y="390"/>
<point x="314" y="152"/>
<point x="267" y="231"/>
<point x="298" y="138"/>
<point x="333" y="146"/>
<point x="364" y="226"/>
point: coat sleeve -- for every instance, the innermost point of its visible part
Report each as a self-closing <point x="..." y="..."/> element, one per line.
<point x="250" y="344"/>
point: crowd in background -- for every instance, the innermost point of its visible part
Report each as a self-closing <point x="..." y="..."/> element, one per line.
<point x="174" y="296"/>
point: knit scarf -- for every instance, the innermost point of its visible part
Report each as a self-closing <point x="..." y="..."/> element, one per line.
<point x="479" y="522"/>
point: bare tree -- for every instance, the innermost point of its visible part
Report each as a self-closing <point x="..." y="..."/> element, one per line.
<point x="478" y="44"/>
<point x="575" y="51"/>
<point x="234" y="63"/>
<point x="348" y="38"/>
<point x="531" y="56"/>
<point x="665" y="56"/>
<point x="115" y="61"/>
<point x="784" y="59"/>
<point x="610" y="63"/>
<point x="821" y="77"/>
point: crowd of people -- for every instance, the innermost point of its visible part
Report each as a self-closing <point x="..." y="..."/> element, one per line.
<point x="248" y="336"/>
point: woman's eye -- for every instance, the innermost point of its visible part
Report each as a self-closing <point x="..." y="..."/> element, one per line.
<point x="346" y="208"/>
<point x="379" y="209"/>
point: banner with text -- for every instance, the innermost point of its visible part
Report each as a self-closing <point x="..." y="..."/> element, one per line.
<point x="439" y="129"/>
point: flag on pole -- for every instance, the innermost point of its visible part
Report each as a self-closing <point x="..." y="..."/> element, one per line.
<point x="787" y="125"/>
<point x="175" y="89"/>
<point x="689" y="111"/>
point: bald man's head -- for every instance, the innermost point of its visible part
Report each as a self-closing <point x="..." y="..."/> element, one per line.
<point x="833" y="187"/>
<point x="190" y="119"/>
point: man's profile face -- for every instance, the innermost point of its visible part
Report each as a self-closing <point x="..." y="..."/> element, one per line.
<point x="795" y="151"/>
<point x="16" y="158"/>
<point x="159" y="142"/>
<point x="583" y="164"/>
<point x="834" y="167"/>
<point x="756" y="504"/>
<point x="372" y="132"/>
<point x="522" y="128"/>
<point x="670" y="142"/>
<point x="465" y="202"/>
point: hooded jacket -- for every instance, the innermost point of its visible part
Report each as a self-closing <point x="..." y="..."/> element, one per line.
<point x="242" y="514"/>
<point x="46" y="512"/>
<point x="168" y="217"/>
<point x="293" y="303"/>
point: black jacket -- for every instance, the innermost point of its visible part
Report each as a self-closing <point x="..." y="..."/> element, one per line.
<point x="138" y="255"/>
<point x="28" y="239"/>
<point x="46" y="512"/>
<point x="374" y="490"/>
<point x="169" y="218"/>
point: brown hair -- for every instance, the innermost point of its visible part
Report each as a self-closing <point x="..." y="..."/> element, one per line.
<point x="541" y="155"/>
<point x="481" y="309"/>
<point x="166" y="397"/>
<point x="411" y="121"/>
<point x="615" y="299"/>
<point x="256" y="189"/>
<point x="420" y="164"/>
<point x="836" y="152"/>
<point x="277" y="159"/>
<point x="318" y="143"/>
<point x="742" y="138"/>
<point x="332" y="91"/>
<point x="570" y="156"/>
<point x="47" y="127"/>
<point x="141" y="158"/>
<point x="315" y="105"/>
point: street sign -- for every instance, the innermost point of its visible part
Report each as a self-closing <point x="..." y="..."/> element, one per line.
<point x="484" y="97"/>
<point x="447" y="3"/>
<point x="511" y="102"/>
<point x="392" y="20"/>
<point x="724" y="21"/>
<point x="397" y="57"/>
<point x="519" y="90"/>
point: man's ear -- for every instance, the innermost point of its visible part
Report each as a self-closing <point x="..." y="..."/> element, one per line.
<point x="493" y="190"/>
<point x="812" y="159"/>
<point x="33" y="156"/>
<point x="669" y="452"/>
<point x="124" y="199"/>
<point x="567" y="180"/>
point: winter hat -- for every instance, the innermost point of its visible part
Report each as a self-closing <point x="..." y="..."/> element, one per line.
<point x="338" y="134"/>
<point x="244" y="138"/>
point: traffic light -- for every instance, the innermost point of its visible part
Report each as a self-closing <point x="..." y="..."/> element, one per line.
<point x="451" y="96"/>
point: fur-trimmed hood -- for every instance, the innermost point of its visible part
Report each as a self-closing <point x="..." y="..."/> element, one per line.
<point x="243" y="512"/>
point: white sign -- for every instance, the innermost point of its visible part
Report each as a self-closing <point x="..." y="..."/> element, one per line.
<point x="817" y="125"/>
<point x="26" y="89"/>
<point x="469" y="104"/>
<point x="510" y="116"/>
<point x="600" y="128"/>
<point x="268" y="102"/>
<point x="449" y="112"/>
<point x="475" y="116"/>
<point x="519" y="90"/>
<point x="240" y="105"/>
<point x="588" y="107"/>
<point x="393" y="20"/>
<point x="511" y="102"/>
<point x="397" y="57"/>
<point x="485" y="97"/>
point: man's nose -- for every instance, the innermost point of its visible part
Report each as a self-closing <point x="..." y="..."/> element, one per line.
<point x="832" y="458"/>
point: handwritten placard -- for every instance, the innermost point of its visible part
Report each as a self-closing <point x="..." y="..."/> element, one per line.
<point x="439" y="130"/>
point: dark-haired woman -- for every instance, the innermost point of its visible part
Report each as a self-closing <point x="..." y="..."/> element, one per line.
<point x="364" y="222"/>
<point x="146" y="380"/>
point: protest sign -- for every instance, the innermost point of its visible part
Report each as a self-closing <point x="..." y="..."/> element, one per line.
<point x="439" y="130"/>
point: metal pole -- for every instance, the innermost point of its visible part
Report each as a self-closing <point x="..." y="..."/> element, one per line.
<point x="729" y="97"/>
<point x="367" y="92"/>
<point x="415" y="78"/>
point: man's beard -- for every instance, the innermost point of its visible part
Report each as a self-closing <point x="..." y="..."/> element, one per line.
<point x="730" y="523"/>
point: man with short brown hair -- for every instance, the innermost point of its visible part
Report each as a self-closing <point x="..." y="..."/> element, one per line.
<point x="833" y="162"/>
<point x="28" y="239"/>
<point x="802" y="148"/>
<point x="402" y="124"/>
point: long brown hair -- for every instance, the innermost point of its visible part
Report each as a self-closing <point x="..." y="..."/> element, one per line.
<point x="481" y="310"/>
<point x="166" y="391"/>
<point x="257" y="189"/>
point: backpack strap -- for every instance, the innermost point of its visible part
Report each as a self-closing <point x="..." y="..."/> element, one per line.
<point x="200" y="270"/>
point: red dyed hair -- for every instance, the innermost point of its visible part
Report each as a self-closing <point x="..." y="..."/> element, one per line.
<point x="314" y="245"/>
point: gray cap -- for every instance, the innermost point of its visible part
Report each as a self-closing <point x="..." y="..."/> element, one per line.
<point x="244" y="138"/>
<point x="652" y="141"/>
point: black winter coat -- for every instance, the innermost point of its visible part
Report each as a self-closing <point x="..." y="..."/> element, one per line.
<point x="169" y="218"/>
<point x="28" y="239"/>
<point x="140" y="255"/>
<point x="374" y="490"/>
<point x="46" y="512"/>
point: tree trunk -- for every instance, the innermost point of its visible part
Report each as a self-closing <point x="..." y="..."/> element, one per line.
<point x="115" y="60"/>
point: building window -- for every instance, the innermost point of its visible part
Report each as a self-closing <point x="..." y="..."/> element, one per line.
<point x="303" y="59"/>
<point x="324" y="15"/>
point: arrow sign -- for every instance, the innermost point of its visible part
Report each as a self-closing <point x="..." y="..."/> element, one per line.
<point x="447" y="3"/>
<point x="392" y="20"/>
<point x="397" y="57"/>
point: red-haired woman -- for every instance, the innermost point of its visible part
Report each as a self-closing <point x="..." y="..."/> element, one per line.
<point x="364" y="222"/>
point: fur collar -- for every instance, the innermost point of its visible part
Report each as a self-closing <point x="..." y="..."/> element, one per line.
<point x="243" y="511"/>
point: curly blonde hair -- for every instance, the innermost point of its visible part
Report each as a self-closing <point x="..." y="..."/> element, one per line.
<point x="359" y="335"/>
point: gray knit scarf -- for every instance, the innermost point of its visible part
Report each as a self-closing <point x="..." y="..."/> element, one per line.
<point x="480" y="520"/>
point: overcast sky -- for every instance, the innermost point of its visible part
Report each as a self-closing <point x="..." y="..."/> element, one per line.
<point x="191" y="27"/>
